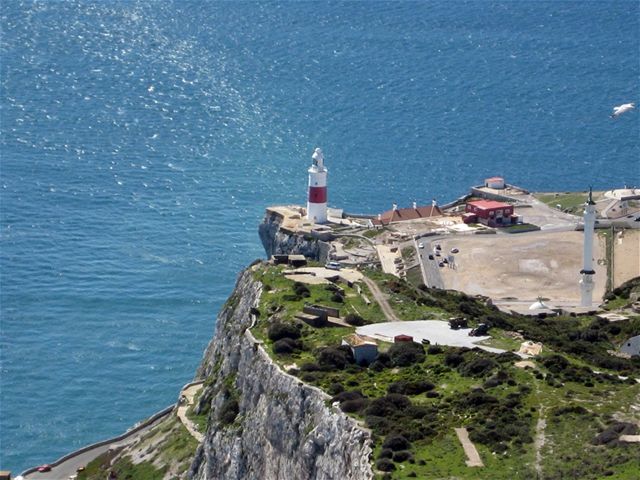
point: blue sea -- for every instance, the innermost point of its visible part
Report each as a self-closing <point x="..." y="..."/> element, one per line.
<point x="141" y="141"/>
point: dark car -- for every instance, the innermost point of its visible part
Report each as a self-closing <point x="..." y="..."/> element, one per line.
<point x="430" y="256"/>
<point x="480" y="330"/>
<point x="44" y="468"/>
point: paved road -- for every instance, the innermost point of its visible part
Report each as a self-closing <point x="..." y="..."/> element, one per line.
<point x="69" y="467"/>
<point x="381" y="299"/>
<point x="430" y="268"/>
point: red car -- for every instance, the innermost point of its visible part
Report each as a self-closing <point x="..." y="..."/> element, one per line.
<point x="44" y="468"/>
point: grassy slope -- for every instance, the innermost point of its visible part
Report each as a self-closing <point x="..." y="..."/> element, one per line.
<point x="438" y="453"/>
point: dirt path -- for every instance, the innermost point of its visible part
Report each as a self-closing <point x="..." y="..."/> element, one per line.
<point x="473" y="457"/>
<point x="382" y="300"/>
<point x="538" y="442"/>
<point x="189" y="394"/>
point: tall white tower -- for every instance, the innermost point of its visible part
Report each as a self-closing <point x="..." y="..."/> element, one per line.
<point x="317" y="203"/>
<point x="587" y="272"/>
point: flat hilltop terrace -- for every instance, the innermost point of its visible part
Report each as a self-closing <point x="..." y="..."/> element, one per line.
<point x="529" y="246"/>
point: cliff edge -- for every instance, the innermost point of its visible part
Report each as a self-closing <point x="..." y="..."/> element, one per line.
<point x="276" y="239"/>
<point x="264" y="423"/>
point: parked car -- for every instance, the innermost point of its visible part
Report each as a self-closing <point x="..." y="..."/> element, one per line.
<point x="441" y="264"/>
<point x="430" y="256"/>
<point x="421" y="245"/>
<point x="437" y="252"/>
<point x="480" y="330"/>
<point x="44" y="468"/>
<point x="333" y="266"/>
<point x="438" y="246"/>
<point x="454" y="250"/>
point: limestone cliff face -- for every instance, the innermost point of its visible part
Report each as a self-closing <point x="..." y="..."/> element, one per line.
<point x="277" y="240"/>
<point x="284" y="429"/>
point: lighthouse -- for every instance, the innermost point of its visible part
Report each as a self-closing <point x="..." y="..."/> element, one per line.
<point x="587" y="272"/>
<point x="317" y="201"/>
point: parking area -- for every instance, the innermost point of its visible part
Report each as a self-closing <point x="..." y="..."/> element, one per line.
<point x="517" y="266"/>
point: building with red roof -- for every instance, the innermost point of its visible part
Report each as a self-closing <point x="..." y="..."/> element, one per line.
<point x="404" y="214"/>
<point x="489" y="212"/>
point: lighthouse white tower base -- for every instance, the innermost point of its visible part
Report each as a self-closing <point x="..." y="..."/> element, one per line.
<point x="317" y="200"/>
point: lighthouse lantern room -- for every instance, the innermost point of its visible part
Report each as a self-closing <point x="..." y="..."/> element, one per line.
<point x="317" y="200"/>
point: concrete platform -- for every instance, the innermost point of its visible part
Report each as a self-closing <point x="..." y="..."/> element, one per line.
<point x="436" y="331"/>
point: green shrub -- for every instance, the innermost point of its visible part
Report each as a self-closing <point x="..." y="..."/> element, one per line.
<point x="330" y="358"/>
<point x="396" y="443"/>
<point x="388" y="405"/>
<point x="410" y="388"/>
<point x="403" y="354"/>
<point x="385" y="453"/>
<point x="402" y="456"/>
<point x="279" y="330"/>
<point x="355" y="320"/>
<point x="286" y="346"/>
<point x="385" y="465"/>
<point x="478" y="367"/>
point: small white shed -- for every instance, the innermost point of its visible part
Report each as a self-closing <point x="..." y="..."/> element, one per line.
<point x="494" y="182"/>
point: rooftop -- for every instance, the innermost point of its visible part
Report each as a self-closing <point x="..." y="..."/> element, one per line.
<point x="488" y="204"/>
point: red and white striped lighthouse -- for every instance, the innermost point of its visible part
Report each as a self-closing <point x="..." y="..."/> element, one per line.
<point x="317" y="203"/>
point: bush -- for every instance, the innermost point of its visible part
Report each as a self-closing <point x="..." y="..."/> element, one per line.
<point x="286" y="345"/>
<point x="355" y="320"/>
<point x="402" y="456"/>
<point x="611" y="434"/>
<point x="396" y="443"/>
<point x="279" y="330"/>
<point x="385" y="465"/>
<point x="555" y="363"/>
<point x="348" y="395"/>
<point x="453" y="359"/>
<point x="334" y="357"/>
<point x="477" y="367"/>
<point x="410" y="388"/>
<point x="301" y="290"/>
<point x="336" y="297"/>
<point x="434" y="349"/>
<point x="389" y="405"/>
<point x="385" y="453"/>
<point x="310" y="367"/>
<point x="353" y="406"/>
<point x="404" y="354"/>
<point x="378" y="424"/>
<point x="335" y="388"/>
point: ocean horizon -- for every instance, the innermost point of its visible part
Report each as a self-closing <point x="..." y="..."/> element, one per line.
<point x="140" y="143"/>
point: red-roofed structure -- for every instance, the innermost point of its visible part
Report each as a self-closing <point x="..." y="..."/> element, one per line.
<point x="404" y="214"/>
<point x="489" y="212"/>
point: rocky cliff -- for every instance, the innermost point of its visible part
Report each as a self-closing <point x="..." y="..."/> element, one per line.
<point x="277" y="240"/>
<point x="264" y="423"/>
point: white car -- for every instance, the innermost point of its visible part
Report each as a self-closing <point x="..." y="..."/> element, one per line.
<point x="421" y="245"/>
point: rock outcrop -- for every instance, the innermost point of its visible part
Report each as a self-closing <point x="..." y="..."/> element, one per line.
<point x="265" y="424"/>
<point x="277" y="240"/>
